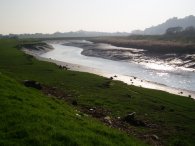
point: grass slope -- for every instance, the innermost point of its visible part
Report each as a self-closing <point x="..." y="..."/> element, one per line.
<point x="175" y="121"/>
<point x="30" y="118"/>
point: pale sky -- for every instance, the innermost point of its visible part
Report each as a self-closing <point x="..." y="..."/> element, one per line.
<point x="49" y="16"/>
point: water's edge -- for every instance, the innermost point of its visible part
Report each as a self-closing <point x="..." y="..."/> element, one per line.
<point x="123" y="78"/>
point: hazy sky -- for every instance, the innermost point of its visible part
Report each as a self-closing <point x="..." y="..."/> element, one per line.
<point x="48" y="16"/>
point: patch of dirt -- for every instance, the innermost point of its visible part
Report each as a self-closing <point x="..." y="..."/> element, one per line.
<point x="119" y="123"/>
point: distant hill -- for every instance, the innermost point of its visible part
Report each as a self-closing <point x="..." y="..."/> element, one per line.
<point x="173" y="22"/>
<point x="80" y="33"/>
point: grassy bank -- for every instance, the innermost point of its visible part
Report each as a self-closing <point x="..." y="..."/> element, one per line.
<point x="152" y="44"/>
<point x="31" y="118"/>
<point x="172" y="116"/>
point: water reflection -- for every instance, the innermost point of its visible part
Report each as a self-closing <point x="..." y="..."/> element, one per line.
<point x="157" y="66"/>
<point x="161" y="74"/>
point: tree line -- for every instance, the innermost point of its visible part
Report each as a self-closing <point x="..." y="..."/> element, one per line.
<point x="188" y="31"/>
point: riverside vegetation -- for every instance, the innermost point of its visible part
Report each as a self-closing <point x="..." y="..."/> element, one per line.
<point x="43" y="117"/>
<point x="176" y="49"/>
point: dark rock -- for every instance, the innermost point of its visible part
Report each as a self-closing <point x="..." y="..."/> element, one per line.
<point x="63" y="67"/>
<point x="162" y="107"/>
<point x="66" y="68"/>
<point x="139" y="123"/>
<point x="130" y="118"/>
<point x="129" y="96"/>
<point x="180" y="92"/>
<point x="111" y="78"/>
<point x="74" y="102"/>
<point x="171" y="110"/>
<point x="33" y="84"/>
<point x="115" y="76"/>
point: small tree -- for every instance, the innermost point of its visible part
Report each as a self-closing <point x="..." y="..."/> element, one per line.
<point x="174" y="30"/>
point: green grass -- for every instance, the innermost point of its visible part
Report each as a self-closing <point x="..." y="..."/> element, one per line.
<point x="31" y="118"/>
<point x="175" y="122"/>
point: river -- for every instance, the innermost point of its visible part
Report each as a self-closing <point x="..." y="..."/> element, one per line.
<point x="163" y="75"/>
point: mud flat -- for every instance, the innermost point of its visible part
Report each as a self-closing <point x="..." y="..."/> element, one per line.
<point x="131" y="80"/>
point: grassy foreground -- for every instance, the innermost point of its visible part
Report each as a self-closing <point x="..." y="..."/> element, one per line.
<point x="36" y="119"/>
<point x="30" y="118"/>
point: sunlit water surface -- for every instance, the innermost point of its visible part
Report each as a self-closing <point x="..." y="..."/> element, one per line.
<point x="161" y="74"/>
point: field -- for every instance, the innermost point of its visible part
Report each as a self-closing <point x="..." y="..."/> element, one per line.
<point x="31" y="117"/>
